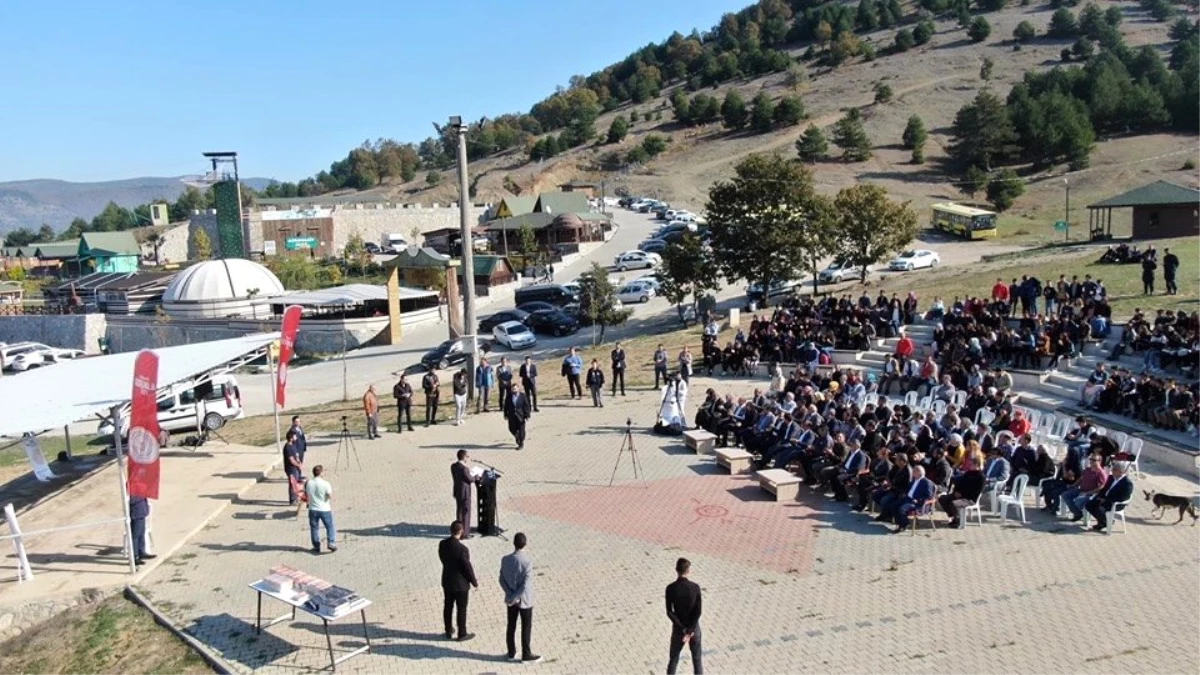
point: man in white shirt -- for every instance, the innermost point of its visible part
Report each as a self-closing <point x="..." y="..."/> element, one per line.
<point x="320" y="510"/>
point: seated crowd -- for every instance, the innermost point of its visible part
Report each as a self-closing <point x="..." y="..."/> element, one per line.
<point x="839" y="434"/>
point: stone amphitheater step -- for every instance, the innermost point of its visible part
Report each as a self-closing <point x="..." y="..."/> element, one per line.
<point x="1065" y="378"/>
<point x="1056" y="389"/>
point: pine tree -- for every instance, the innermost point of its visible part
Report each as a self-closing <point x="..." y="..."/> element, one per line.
<point x="812" y="146"/>
<point x="789" y="111"/>
<point x="618" y="129"/>
<point x="851" y="137"/>
<point x="914" y="133"/>
<point x="762" y="113"/>
<point x="983" y="132"/>
<point x="1004" y="188"/>
<point x="733" y="110"/>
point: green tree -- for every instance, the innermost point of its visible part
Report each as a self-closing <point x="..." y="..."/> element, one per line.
<point x="355" y="253"/>
<point x="1024" y="32"/>
<point x="851" y="137"/>
<point x="844" y="48"/>
<point x="704" y="109"/>
<point x="1004" y="188"/>
<point x="924" y="31"/>
<point x="789" y="111"/>
<point x="982" y="132"/>
<point x="77" y="227"/>
<point x="1083" y="49"/>
<point x="869" y="227"/>
<point x="688" y="269"/>
<point x="297" y="272"/>
<point x="1062" y="24"/>
<point x="681" y="106"/>
<point x="979" y="30"/>
<point x="433" y="178"/>
<point x="654" y="145"/>
<point x="974" y="180"/>
<point x="985" y="69"/>
<point x="618" y="129"/>
<point x="113" y="218"/>
<point x="733" y="110"/>
<point x="201" y="244"/>
<point x="637" y="155"/>
<point x="883" y="92"/>
<point x="528" y="239"/>
<point x="904" y="40"/>
<point x="914" y="136"/>
<point x="1113" y="16"/>
<point x="991" y="5"/>
<point x="796" y="76"/>
<point x="964" y="15"/>
<point x="22" y="236"/>
<point x="1092" y="23"/>
<point x="767" y="224"/>
<point x="762" y="113"/>
<point x="598" y="300"/>
<point x="1181" y="30"/>
<point x="812" y="145"/>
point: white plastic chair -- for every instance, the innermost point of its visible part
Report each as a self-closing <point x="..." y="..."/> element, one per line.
<point x="1015" y="499"/>
<point x="984" y="416"/>
<point x="975" y="508"/>
<point x="910" y="400"/>
<point x="1116" y="511"/>
<point x="1046" y="424"/>
<point x="938" y="407"/>
<point x="1061" y="428"/>
<point x="1100" y="431"/>
<point x="1037" y="487"/>
<point x="925" y="403"/>
<point x="1034" y="417"/>
<point x="924" y="511"/>
<point x="1119" y="437"/>
<point x="959" y="399"/>
<point x="1133" y="446"/>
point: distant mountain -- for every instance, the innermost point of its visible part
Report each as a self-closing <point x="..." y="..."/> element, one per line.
<point x="29" y="203"/>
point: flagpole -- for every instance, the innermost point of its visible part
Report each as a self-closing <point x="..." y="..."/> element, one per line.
<point x="274" y="399"/>
<point x="129" y="545"/>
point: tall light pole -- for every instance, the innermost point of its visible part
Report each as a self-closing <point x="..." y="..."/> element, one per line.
<point x="470" y="328"/>
<point x="1067" y="216"/>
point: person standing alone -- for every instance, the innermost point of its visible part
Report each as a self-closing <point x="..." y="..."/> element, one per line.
<point x="1170" y="267"/>
<point x="403" y="393"/>
<point x="371" y="409"/>
<point x="618" y="368"/>
<point x="458" y="576"/>
<point x="320" y="510"/>
<point x="683" y="609"/>
<point x="459" y="385"/>
<point x="485" y="379"/>
<point x="595" y="384"/>
<point x="429" y="384"/>
<point x="516" y="578"/>
<point x="572" y="367"/>
<point x="529" y="375"/>
<point x="517" y="412"/>
<point x="660" y="366"/>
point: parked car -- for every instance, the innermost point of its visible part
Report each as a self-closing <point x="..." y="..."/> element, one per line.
<point x="487" y="323"/>
<point x="554" y="294"/>
<point x="636" y="291"/>
<point x="754" y="291"/>
<point x="514" y="335"/>
<point x="372" y="248"/>
<point x="659" y="210"/>
<point x="654" y="279"/>
<point x="536" y="306"/>
<point x="653" y="245"/>
<point x="449" y="353"/>
<point x="636" y="260"/>
<point x="648" y="205"/>
<point x="915" y="259"/>
<point x="181" y="407"/>
<point x="839" y="270"/>
<point x="30" y="355"/>
<point x="555" y="322"/>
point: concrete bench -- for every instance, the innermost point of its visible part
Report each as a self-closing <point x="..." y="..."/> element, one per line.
<point x="781" y="483"/>
<point x="700" y="441"/>
<point x="736" y="460"/>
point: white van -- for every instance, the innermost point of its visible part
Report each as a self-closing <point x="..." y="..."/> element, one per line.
<point x="179" y="410"/>
<point x="394" y="243"/>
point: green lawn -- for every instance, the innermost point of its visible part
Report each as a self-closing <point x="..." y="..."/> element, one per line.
<point x="1124" y="282"/>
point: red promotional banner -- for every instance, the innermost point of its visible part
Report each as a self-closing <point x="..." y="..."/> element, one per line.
<point x="287" y="348"/>
<point x="143" y="428"/>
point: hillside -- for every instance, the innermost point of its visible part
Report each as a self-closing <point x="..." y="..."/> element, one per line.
<point x="933" y="81"/>
<point x="29" y="203"/>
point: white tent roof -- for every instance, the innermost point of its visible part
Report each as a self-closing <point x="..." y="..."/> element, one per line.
<point x="350" y="294"/>
<point x="55" y="396"/>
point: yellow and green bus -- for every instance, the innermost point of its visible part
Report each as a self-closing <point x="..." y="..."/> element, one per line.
<point x="965" y="221"/>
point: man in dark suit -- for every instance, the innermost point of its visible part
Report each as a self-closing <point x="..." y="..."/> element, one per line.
<point x="139" y="510"/>
<point x="461" y="473"/>
<point x="301" y="442"/>
<point x="848" y="471"/>
<point x="683" y="609"/>
<point x="458" y="576"/>
<point x="529" y="375"/>
<point x="429" y="385"/>
<point x="618" y="368"/>
<point x="517" y="413"/>
<point x="1118" y="488"/>
<point x="920" y="491"/>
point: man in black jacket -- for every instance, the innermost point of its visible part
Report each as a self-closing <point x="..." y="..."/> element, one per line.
<point x="461" y="474"/>
<point x="403" y="393"/>
<point x="429" y="384"/>
<point x="1170" y="267"/>
<point x="517" y="412"/>
<point x="529" y="374"/>
<point x="683" y="609"/>
<point x="618" y="368"/>
<point x="458" y="576"/>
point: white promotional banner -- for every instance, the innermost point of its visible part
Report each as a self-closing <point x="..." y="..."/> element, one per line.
<point x="40" y="468"/>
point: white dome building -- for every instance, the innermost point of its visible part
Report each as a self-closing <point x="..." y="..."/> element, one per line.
<point x="217" y="289"/>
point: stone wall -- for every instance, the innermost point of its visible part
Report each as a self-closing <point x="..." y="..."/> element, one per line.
<point x="19" y="619"/>
<point x="373" y="222"/>
<point x="75" y="331"/>
<point x="173" y="244"/>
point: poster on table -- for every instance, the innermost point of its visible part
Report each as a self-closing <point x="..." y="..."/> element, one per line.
<point x="287" y="348"/>
<point x="144" y="432"/>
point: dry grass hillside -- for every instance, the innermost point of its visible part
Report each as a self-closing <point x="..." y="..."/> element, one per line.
<point x="932" y="81"/>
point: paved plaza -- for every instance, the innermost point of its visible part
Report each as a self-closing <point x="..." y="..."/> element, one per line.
<point x="807" y="586"/>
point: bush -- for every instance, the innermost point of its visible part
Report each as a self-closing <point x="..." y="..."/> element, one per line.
<point x="923" y="32"/>
<point x="1024" y="32"/>
<point x="1004" y="188"/>
<point x="637" y="156"/>
<point x="979" y="30"/>
<point x="883" y="93"/>
<point x="1063" y="24"/>
<point x="904" y="40"/>
<point x="1189" y="165"/>
<point x="654" y="145"/>
<point x="1083" y="49"/>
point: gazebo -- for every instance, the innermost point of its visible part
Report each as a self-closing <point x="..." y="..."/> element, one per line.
<point x="1160" y="210"/>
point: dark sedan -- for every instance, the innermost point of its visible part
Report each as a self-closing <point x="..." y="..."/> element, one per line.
<point x="554" y="322"/>
<point x="653" y="245"/>
<point x="487" y="323"/>
<point x="449" y="353"/>
<point x="537" y="306"/>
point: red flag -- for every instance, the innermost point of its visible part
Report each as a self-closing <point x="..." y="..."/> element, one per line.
<point x="143" y="427"/>
<point x="287" y="347"/>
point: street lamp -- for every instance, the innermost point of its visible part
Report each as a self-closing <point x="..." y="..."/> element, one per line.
<point x="468" y="254"/>
<point x="1067" y="215"/>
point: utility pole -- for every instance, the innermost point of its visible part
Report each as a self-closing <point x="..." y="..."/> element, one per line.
<point x="1067" y="216"/>
<point x="470" y="328"/>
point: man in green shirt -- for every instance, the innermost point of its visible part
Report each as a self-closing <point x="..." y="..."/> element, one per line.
<point x="320" y="510"/>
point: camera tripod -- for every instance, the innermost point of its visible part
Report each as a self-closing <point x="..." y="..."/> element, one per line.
<point x="345" y="440"/>
<point x="628" y="446"/>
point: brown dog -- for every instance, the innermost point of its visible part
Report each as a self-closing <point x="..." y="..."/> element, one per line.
<point x="1162" y="503"/>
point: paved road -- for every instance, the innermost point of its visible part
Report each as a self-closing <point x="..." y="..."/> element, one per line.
<point x="797" y="587"/>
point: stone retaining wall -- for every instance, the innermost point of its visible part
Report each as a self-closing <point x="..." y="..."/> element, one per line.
<point x="15" y="620"/>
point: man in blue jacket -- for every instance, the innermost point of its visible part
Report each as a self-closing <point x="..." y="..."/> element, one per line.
<point x="572" y="368"/>
<point x="485" y="379"/>
<point x="920" y="491"/>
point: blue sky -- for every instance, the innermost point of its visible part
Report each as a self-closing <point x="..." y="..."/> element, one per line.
<point x="108" y="90"/>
